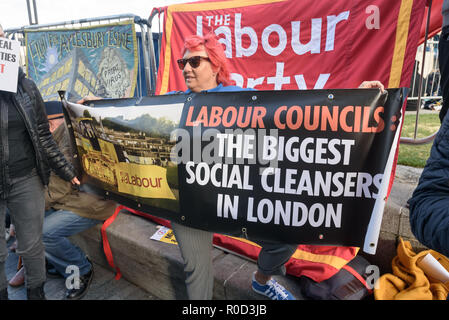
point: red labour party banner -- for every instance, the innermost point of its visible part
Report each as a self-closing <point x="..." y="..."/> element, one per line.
<point x="288" y="44"/>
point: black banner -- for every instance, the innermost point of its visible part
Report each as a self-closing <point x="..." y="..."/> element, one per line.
<point x="305" y="167"/>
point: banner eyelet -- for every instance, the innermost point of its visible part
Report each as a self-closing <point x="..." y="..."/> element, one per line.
<point x="244" y="233"/>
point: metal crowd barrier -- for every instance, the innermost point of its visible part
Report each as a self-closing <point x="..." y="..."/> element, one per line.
<point x="425" y="85"/>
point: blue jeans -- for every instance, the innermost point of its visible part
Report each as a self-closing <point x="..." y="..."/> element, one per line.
<point x="59" y="251"/>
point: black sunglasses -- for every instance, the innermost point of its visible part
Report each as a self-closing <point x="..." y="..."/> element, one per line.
<point x="193" y="61"/>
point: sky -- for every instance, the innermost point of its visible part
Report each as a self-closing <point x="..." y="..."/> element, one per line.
<point x="169" y="111"/>
<point x="14" y="13"/>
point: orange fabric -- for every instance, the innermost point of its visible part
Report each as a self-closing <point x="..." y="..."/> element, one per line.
<point x="408" y="281"/>
<point x="319" y="262"/>
<point x="436" y="21"/>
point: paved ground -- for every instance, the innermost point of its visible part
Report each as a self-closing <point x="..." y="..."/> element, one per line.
<point x="103" y="286"/>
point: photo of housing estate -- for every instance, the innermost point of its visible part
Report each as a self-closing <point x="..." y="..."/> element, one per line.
<point x="107" y="142"/>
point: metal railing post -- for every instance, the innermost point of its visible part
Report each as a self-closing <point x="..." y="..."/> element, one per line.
<point x="152" y="51"/>
<point x="418" y="106"/>
<point x="146" y="62"/>
<point x="30" y="15"/>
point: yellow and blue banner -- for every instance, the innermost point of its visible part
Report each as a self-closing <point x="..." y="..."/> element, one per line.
<point x="100" y="61"/>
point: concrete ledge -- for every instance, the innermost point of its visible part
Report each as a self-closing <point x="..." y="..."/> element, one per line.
<point x="157" y="267"/>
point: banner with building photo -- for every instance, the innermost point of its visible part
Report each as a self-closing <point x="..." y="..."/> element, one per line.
<point x="308" y="167"/>
<point x="124" y="148"/>
<point x="98" y="60"/>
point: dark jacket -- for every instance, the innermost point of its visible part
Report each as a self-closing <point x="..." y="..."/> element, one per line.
<point x="429" y="205"/>
<point x="30" y="106"/>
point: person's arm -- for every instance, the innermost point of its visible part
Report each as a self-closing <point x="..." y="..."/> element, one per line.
<point x="88" y="98"/>
<point x="372" y="84"/>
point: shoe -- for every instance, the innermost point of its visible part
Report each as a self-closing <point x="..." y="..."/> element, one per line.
<point x="36" y="293"/>
<point x="18" y="279"/>
<point x="4" y="294"/>
<point x="85" y="280"/>
<point x="272" y="289"/>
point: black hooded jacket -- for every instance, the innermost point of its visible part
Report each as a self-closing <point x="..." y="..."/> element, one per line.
<point x="30" y="106"/>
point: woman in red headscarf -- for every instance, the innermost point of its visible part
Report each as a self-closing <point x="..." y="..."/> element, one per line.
<point x="204" y="67"/>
